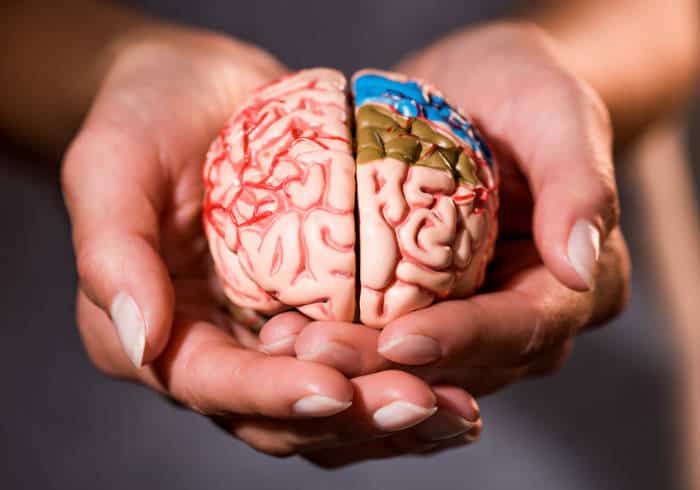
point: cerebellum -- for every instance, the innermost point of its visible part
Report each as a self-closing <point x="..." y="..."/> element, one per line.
<point x="281" y="182"/>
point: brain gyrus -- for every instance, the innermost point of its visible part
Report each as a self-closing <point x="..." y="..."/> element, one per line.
<point x="281" y="183"/>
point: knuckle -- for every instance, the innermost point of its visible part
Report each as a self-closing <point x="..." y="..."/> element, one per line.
<point x="185" y="382"/>
<point x="193" y="399"/>
<point x="613" y="295"/>
<point x="77" y="159"/>
<point x="617" y="303"/>
<point x="87" y="264"/>
<point x="622" y="300"/>
<point x="597" y="107"/>
<point x="608" y="202"/>
<point x="547" y="327"/>
<point x="70" y="161"/>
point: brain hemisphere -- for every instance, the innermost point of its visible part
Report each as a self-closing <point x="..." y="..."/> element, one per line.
<point x="279" y="209"/>
<point x="423" y="185"/>
<point x="281" y="185"/>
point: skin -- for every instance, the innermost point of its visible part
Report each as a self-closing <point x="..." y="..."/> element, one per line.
<point x="534" y="303"/>
<point x="195" y="353"/>
<point x="157" y="94"/>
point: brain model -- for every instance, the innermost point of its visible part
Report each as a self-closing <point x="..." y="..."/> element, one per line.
<point x="304" y="191"/>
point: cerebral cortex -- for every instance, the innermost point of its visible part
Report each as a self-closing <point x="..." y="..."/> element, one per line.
<point x="362" y="211"/>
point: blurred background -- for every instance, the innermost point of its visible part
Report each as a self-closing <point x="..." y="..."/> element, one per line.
<point x="612" y="418"/>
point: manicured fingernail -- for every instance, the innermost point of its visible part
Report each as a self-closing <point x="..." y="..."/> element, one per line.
<point x="281" y="346"/>
<point x="584" y="249"/>
<point x="445" y="425"/>
<point x="412" y="349"/>
<point x="340" y="356"/>
<point x="400" y="415"/>
<point x="131" y="327"/>
<point x="319" y="406"/>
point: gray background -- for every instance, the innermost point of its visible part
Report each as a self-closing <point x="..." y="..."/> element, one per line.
<point x="606" y="421"/>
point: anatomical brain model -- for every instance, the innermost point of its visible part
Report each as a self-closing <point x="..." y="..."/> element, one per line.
<point x="286" y="174"/>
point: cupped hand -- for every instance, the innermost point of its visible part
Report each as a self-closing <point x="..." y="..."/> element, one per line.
<point x="147" y="310"/>
<point x="561" y="263"/>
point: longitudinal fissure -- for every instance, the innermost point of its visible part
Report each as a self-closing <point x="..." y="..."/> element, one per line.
<point x="400" y="169"/>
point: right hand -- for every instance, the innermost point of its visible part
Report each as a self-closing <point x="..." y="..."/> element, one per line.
<point x="132" y="185"/>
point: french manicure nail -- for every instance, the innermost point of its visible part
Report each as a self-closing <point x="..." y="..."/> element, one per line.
<point x="338" y="355"/>
<point x="400" y="415"/>
<point x="131" y="327"/>
<point x="412" y="349"/>
<point x="319" y="406"/>
<point x="445" y="425"/>
<point x="584" y="249"/>
<point x="279" y="346"/>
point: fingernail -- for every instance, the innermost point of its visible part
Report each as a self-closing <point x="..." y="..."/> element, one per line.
<point x="412" y="349"/>
<point x="445" y="425"/>
<point x="319" y="406"/>
<point x="340" y="356"/>
<point x="584" y="249"/>
<point x="400" y="415"/>
<point x="131" y="327"/>
<point x="281" y="346"/>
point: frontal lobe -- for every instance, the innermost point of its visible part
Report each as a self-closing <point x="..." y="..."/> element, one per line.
<point x="427" y="198"/>
<point x="279" y="184"/>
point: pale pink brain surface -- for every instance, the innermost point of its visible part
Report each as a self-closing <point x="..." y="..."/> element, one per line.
<point x="281" y="182"/>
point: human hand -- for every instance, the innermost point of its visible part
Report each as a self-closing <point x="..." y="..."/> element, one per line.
<point x="133" y="187"/>
<point x="561" y="264"/>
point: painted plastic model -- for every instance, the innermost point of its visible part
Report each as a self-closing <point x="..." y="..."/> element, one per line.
<point x="284" y="176"/>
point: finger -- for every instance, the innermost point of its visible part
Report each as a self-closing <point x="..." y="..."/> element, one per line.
<point x="556" y="128"/>
<point x="573" y="185"/>
<point x="482" y="381"/>
<point x="350" y="348"/>
<point x="510" y="327"/>
<point x="458" y="416"/>
<point x="204" y="368"/>
<point x="389" y="401"/>
<point x="384" y="403"/>
<point x="456" y="423"/>
<point x="101" y="341"/>
<point x="113" y="189"/>
<point x="279" y="333"/>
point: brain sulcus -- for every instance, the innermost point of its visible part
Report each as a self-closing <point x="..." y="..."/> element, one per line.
<point x="349" y="209"/>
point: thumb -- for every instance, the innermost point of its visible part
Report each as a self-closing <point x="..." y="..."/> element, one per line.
<point x="576" y="201"/>
<point x="113" y="190"/>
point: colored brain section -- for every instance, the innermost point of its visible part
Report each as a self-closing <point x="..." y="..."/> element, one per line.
<point x="283" y="177"/>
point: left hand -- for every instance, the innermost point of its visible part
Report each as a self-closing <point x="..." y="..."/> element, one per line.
<point x="561" y="263"/>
